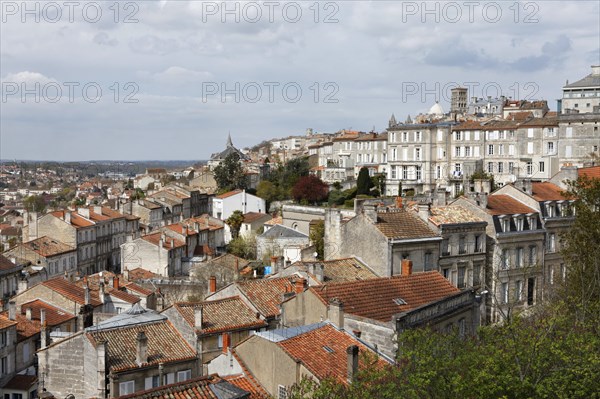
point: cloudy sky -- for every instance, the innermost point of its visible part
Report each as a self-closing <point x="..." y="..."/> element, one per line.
<point x="169" y="79"/>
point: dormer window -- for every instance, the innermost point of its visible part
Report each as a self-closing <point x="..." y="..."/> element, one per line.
<point x="532" y="220"/>
<point x="550" y="209"/>
<point x="519" y="223"/>
<point x="505" y="224"/>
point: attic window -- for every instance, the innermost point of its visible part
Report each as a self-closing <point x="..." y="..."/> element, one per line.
<point x="328" y="349"/>
<point x="399" y="301"/>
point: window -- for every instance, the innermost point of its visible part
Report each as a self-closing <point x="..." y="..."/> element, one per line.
<point x="530" y="148"/>
<point x="417" y="154"/>
<point x="418" y="173"/>
<point x="542" y="166"/>
<point x="184" y="375"/>
<point x="438" y="172"/>
<point x="504" y="292"/>
<point x="394" y="172"/>
<point x="505" y="225"/>
<point x="519" y="257"/>
<point x="170" y="378"/>
<point x="511" y="168"/>
<point x="490" y="149"/>
<point x="220" y="343"/>
<point x="504" y="259"/>
<point x="530" y="290"/>
<point x="461" y="277"/>
<point x="530" y="132"/>
<point x="467" y="151"/>
<point x="3" y="339"/>
<point x="417" y="136"/>
<point x="550" y="147"/>
<point x="462" y="248"/>
<point x="511" y="149"/>
<point x="445" y="247"/>
<point x="25" y="352"/>
<point x="126" y="387"/>
<point x="500" y="167"/>
<point x="405" y="172"/>
<point x="462" y="327"/>
<point x="281" y="392"/>
<point x="532" y="255"/>
<point x="501" y="135"/>
<point x="458" y="136"/>
<point x="4" y="366"/>
<point x="17" y="396"/>
<point x="519" y="290"/>
<point x="551" y="242"/>
<point x="501" y="149"/>
<point x="152" y="382"/>
<point x="529" y="168"/>
<point x="477" y="274"/>
<point x="519" y="223"/>
<point x="457" y="151"/>
<point x="404" y="137"/>
<point x="477" y="244"/>
<point x="490" y="167"/>
<point x="428" y="261"/>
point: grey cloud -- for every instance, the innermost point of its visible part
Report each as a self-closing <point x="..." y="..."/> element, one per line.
<point x="102" y="38"/>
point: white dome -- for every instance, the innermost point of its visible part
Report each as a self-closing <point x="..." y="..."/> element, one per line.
<point x="436" y="109"/>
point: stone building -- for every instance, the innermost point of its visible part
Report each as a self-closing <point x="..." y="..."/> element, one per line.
<point x="8" y="339"/>
<point x="131" y="352"/>
<point x="376" y="310"/>
<point x="155" y="252"/>
<point x="281" y="358"/>
<point x="213" y="326"/>
<point x="10" y="275"/>
<point x="583" y="95"/>
<point x="281" y="241"/>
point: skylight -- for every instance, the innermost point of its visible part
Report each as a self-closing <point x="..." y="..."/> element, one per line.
<point x="399" y="301"/>
<point x="328" y="349"/>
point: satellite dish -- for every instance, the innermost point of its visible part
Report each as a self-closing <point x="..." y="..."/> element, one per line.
<point x="315" y="254"/>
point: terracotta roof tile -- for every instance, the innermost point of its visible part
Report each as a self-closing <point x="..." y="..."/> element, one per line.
<point x="228" y="314"/>
<point x="46" y="246"/>
<point x="374" y="298"/>
<point x="452" y="215"/>
<point x="138" y="288"/>
<point x="54" y="315"/>
<point x="266" y="295"/>
<point x="592" y="172"/>
<point x="228" y="194"/>
<point x="140" y="273"/>
<point x="253" y="216"/>
<point x="323" y="352"/>
<point x="247" y="384"/>
<point x="76" y="219"/>
<point x="6" y="264"/>
<point x="154" y="238"/>
<point x="502" y="204"/>
<point x="5" y="322"/>
<point x="165" y="344"/>
<point x="402" y="224"/>
<point x="70" y="291"/>
<point x="229" y="261"/>
<point x="346" y="269"/>
<point x="547" y="191"/>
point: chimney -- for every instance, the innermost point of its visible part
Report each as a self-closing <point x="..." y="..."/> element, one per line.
<point x="197" y="226"/>
<point x="198" y="317"/>
<point x="424" y="212"/>
<point x="85" y="212"/>
<point x="28" y="313"/>
<point x="483" y="200"/>
<point x="399" y="202"/>
<point x="44" y="335"/>
<point x="212" y="284"/>
<point x="320" y="272"/>
<point x="299" y="285"/>
<point x="141" y="355"/>
<point x="12" y="310"/>
<point x="115" y="282"/>
<point x="352" y="352"/>
<point x="67" y="216"/>
<point x="407" y="267"/>
<point x="98" y="209"/>
<point x="42" y="316"/>
<point x="102" y="292"/>
<point x="528" y="186"/>
<point x="172" y="243"/>
<point x="370" y="212"/>
<point x="161" y="374"/>
<point x="86" y="294"/>
<point x="226" y="342"/>
<point x="335" y="313"/>
<point x="274" y="264"/>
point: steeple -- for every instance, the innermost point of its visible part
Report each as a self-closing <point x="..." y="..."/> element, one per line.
<point x="393" y="121"/>
<point x="229" y="142"/>
<point x="408" y="120"/>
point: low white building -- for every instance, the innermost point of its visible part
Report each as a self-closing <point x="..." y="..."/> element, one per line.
<point x="237" y="200"/>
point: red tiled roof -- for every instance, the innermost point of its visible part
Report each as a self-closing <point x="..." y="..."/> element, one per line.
<point x="592" y="172"/>
<point x="165" y="344"/>
<point x="21" y="382"/>
<point x="248" y="385"/>
<point x="547" y="191"/>
<point x="228" y="314"/>
<point x="154" y="238"/>
<point x="323" y="352"/>
<point x="137" y="288"/>
<point x="124" y="296"/>
<point x="46" y="246"/>
<point x="502" y="204"/>
<point x="6" y="264"/>
<point x="402" y="224"/>
<point x="254" y="216"/>
<point x="54" y="315"/>
<point x="196" y="388"/>
<point x="5" y="322"/>
<point x="76" y="220"/>
<point x="70" y="291"/>
<point x="229" y="194"/>
<point x="140" y="273"/>
<point x="266" y="295"/>
<point x="374" y="299"/>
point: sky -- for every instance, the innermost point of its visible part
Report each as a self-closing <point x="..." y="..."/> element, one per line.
<point x="168" y="80"/>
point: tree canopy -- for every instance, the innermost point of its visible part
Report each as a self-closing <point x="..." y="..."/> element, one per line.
<point x="310" y="189"/>
<point x="229" y="174"/>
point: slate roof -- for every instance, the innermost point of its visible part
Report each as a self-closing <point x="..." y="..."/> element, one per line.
<point x="547" y="191"/>
<point x="281" y="231"/>
<point x="590" y="80"/>
<point x="165" y="344"/>
<point x="323" y="352"/>
<point x="266" y="295"/>
<point x="21" y="382"/>
<point x="502" y="204"/>
<point x="46" y="246"/>
<point x="228" y="314"/>
<point x="402" y="224"/>
<point x="374" y="299"/>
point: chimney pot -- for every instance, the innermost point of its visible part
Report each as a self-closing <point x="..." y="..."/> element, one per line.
<point x="299" y="285"/>
<point x="407" y="267"/>
<point x="115" y="281"/>
<point x="226" y="342"/>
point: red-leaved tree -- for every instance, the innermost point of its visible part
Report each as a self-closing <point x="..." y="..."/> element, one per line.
<point x="310" y="189"/>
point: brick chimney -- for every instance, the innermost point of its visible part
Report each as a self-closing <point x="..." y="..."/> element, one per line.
<point x="399" y="202"/>
<point x="115" y="282"/>
<point x="212" y="284"/>
<point x="407" y="267"/>
<point x="198" y="317"/>
<point x="335" y="313"/>
<point x="352" y="352"/>
<point x="141" y="355"/>
<point x="299" y="285"/>
<point x="226" y="342"/>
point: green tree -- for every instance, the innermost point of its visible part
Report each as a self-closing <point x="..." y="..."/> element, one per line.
<point x="363" y="182"/>
<point x="244" y="247"/>
<point x="229" y="174"/>
<point x="234" y="221"/>
<point x="267" y="191"/>
<point x="34" y="203"/>
<point x="317" y="238"/>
